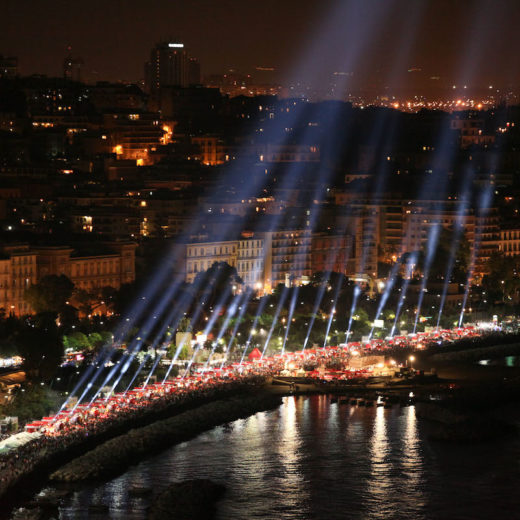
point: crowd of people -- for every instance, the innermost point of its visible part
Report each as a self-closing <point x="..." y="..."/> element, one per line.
<point x="69" y="429"/>
<point x="112" y="414"/>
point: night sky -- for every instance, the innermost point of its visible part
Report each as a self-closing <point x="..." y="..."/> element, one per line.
<point x="474" y="41"/>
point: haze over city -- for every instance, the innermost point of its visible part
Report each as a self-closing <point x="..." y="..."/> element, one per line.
<point x="260" y="260"/>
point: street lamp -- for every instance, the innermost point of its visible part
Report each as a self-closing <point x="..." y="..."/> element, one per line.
<point x="412" y="359"/>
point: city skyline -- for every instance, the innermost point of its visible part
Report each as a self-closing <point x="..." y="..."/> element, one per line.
<point x="449" y="40"/>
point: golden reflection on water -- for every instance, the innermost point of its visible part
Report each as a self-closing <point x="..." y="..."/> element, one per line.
<point x="379" y="485"/>
<point x="289" y="447"/>
<point x="411" y="460"/>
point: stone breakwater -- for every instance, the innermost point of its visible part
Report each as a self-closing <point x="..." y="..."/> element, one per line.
<point x="115" y="455"/>
<point x="22" y="470"/>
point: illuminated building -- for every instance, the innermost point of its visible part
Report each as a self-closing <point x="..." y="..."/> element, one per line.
<point x="109" y="264"/>
<point x="17" y="272"/>
<point x="134" y="135"/>
<point x="486" y="238"/>
<point x="213" y="150"/>
<point x="509" y="240"/>
<point x="251" y="263"/>
<point x="72" y="67"/>
<point x="200" y="256"/>
<point x="471" y="130"/>
<point x="112" y="222"/>
<point x="265" y="259"/>
<point x="331" y="253"/>
<point x="170" y="65"/>
<point x="282" y="153"/>
<point x="288" y="255"/>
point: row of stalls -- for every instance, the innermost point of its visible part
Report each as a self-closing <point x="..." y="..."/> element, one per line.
<point x="310" y="362"/>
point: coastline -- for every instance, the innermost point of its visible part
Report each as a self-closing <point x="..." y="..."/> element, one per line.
<point x="23" y="484"/>
<point x="115" y="456"/>
<point x="240" y="402"/>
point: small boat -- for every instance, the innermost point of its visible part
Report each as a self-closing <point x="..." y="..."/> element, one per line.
<point x="98" y="508"/>
<point x="353" y="401"/>
<point x="369" y="403"/>
<point x="343" y="401"/>
<point x="333" y="400"/>
<point x="361" y="402"/>
<point x="388" y="404"/>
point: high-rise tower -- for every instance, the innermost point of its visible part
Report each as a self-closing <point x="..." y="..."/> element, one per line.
<point x="170" y="65"/>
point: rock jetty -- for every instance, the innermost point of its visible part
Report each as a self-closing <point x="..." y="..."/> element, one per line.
<point x="115" y="455"/>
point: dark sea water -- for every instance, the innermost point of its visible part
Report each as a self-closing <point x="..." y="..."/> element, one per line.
<point x="507" y="361"/>
<point x="310" y="459"/>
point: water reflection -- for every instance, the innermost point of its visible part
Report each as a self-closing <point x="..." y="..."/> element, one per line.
<point x="379" y="485"/>
<point x="292" y="482"/>
<point x="311" y="459"/>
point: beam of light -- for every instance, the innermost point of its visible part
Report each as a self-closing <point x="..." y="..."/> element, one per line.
<point x="349" y="60"/>
<point x="433" y="237"/>
<point x="482" y="211"/>
<point x="156" y="284"/>
<point x="135" y="345"/>
<point x="483" y="19"/>
<point x="172" y="321"/>
<point x="445" y="152"/>
<point x="412" y="260"/>
<point x="457" y="235"/>
<point x="140" y="305"/>
<point x="340" y="30"/>
<point x="386" y="293"/>
<point x="195" y="352"/>
<point x="317" y="302"/>
<point x="166" y="325"/>
<point x="353" y="49"/>
<point x="195" y="316"/>
<point x="292" y="306"/>
<point x="281" y="302"/>
<point x="176" y="316"/>
<point x="93" y="372"/>
<point x="242" y="310"/>
<point x="229" y="314"/>
<point x="137" y="372"/>
<point x="468" y="66"/>
<point x="483" y="206"/>
<point x="232" y="309"/>
<point x="154" y="366"/>
<point x="252" y="331"/>
<point x="332" y="311"/>
<point x="355" y="296"/>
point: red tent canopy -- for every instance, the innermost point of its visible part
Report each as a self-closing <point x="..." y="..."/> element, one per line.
<point x="255" y="354"/>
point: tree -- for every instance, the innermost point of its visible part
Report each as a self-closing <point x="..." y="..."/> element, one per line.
<point x="503" y="280"/>
<point x="40" y="346"/>
<point x="33" y="401"/>
<point x="83" y="299"/>
<point x="184" y="325"/>
<point x="50" y="294"/>
<point x="450" y="244"/>
<point x="217" y="280"/>
<point x="95" y="340"/>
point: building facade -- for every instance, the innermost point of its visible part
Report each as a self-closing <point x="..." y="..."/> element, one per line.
<point x="18" y="271"/>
